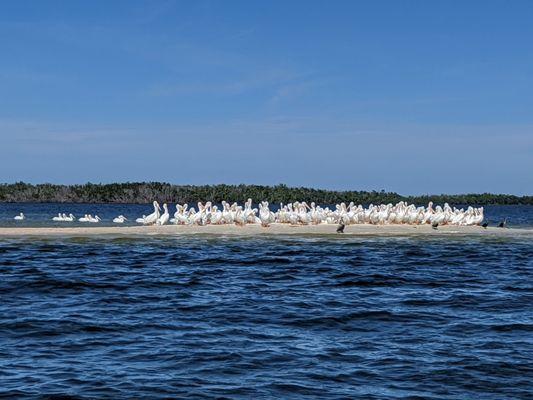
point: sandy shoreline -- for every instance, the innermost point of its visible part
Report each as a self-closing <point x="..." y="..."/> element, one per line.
<point x="274" y="229"/>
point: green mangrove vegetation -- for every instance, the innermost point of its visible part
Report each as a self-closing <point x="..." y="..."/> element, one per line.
<point x="145" y="192"/>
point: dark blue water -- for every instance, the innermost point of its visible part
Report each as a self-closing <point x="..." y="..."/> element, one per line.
<point x="269" y="317"/>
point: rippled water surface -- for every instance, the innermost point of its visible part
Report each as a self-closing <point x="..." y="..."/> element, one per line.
<point x="268" y="317"/>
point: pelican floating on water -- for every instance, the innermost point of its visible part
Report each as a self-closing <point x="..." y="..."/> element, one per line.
<point x="94" y="219"/>
<point x="70" y="218"/>
<point x="64" y="218"/>
<point x="20" y="217"/>
<point x="90" y="218"/>
<point x="120" y="219"/>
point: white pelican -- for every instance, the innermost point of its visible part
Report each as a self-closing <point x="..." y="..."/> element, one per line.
<point x="70" y="218"/>
<point x="94" y="219"/>
<point x="216" y="216"/>
<point x="90" y="218"/>
<point x="239" y="217"/>
<point x="265" y="215"/>
<point x="180" y="216"/>
<point x="19" y="217"/>
<point x="152" y="218"/>
<point x="120" y="219"/>
<point x="64" y="218"/>
<point x="163" y="219"/>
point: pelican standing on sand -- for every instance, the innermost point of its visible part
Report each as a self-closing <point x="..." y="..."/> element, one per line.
<point x="163" y="219"/>
<point x="152" y="218"/>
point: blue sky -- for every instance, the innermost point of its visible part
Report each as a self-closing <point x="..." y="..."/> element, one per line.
<point x="406" y="96"/>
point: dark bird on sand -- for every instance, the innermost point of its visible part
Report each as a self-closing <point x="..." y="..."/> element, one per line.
<point x="434" y="225"/>
<point x="485" y="224"/>
<point x="340" y="228"/>
<point x="503" y="223"/>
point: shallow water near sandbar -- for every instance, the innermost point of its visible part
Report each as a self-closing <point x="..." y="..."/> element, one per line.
<point x="267" y="317"/>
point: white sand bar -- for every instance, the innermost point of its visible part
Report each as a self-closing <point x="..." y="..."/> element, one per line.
<point x="273" y="229"/>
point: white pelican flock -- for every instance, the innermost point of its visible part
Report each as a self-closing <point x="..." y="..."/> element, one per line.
<point x="89" y="218"/>
<point x="64" y="218"/>
<point x="301" y="213"/>
<point x="297" y="213"/>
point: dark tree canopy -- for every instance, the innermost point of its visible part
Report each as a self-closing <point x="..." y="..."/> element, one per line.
<point x="145" y="192"/>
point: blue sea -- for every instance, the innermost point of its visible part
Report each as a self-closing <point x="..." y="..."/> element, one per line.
<point x="310" y="317"/>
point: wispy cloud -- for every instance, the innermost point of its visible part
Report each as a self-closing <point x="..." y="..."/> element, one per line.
<point x="307" y="150"/>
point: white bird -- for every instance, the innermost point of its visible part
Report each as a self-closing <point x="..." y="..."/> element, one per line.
<point x="120" y="219"/>
<point x="94" y="219"/>
<point x="64" y="218"/>
<point x="19" y="217"/>
<point x="58" y="218"/>
<point x="85" y="218"/>
<point x="265" y="215"/>
<point x="216" y="216"/>
<point x="163" y="219"/>
<point x="152" y="218"/>
<point x="239" y="217"/>
<point x="70" y="218"/>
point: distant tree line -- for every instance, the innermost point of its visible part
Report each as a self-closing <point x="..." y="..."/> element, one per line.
<point x="145" y="192"/>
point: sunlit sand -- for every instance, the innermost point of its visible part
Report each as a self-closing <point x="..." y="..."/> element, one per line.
<point x="273" y="229"/>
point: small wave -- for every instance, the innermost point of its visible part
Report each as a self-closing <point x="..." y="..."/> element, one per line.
<point x="268" y="317"/>
<point x="512" y="327"/>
